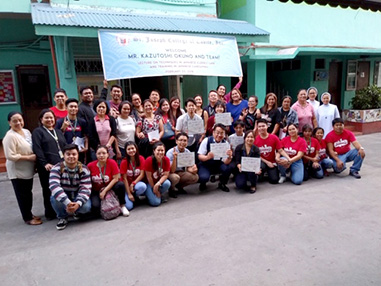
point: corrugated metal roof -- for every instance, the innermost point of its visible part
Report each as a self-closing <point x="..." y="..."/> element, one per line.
<point x="44" y="14"/>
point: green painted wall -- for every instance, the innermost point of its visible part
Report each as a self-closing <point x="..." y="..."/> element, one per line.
<point x="303" y="24"/>
<point x="229" y="6"/>
<point x="19" y="6"/>
<point x="16" y="49"/>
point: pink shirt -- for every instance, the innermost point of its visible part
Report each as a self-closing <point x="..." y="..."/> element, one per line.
<point x="305" y="114"/>
<point x="103" y="129"/>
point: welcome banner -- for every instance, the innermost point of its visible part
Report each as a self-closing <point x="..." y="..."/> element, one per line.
<point x="132" y="55"/>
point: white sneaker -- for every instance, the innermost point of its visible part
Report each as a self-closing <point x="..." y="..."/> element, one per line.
<point x="282" y="180"/>
<point x="125" y="211"/>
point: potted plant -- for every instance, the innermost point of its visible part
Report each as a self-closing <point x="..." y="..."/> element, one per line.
<point x="365" y="114"/>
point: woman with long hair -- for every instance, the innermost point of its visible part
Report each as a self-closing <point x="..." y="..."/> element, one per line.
<point x="236" y="105"/>
<point x="157" y="169"/>
<point x="132" y="171"/>
<point x="149" y="123"/>
<point x="250" y="115"/>
<point x="292" y="151"/>
<point x="105" y="177"/>
<point x="311" y="159"/>
<point x="305" y="111"/>
<point x="17" y="144"/>
<point x="138" y="110"/>
<point x="169" y="129"/>
<point x="287" y="116"/>
<point x="102" y="129"/>
<point x="247" y="149"/>
<point x="48" y="144"/>
<point x="125" y="128"/>
<point x="270" y="112"/>
<point x="200" y="111"/>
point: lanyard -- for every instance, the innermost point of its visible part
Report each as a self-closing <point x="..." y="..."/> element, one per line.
<point x="133" y="168"/>
<point x="309" y="147"/>
<point x="73" y="128"/>
<point x="160" y="169"/>
<point x="55" y="137"/>
<point x="100" y="172"/>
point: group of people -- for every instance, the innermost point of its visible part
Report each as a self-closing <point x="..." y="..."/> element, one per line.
<point x="151" y="150"/>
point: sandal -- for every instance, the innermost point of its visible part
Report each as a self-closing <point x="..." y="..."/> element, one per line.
<point x="34" y="222"/>
<point x="253" y="190"/>
<point x="36" y="217"/>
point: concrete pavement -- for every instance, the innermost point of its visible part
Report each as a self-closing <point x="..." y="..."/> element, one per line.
<point x="324" y="232"/>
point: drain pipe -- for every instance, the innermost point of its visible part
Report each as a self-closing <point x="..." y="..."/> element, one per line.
<point x="53" y="51"/>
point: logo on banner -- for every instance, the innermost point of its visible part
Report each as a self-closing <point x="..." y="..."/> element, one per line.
<point x="122" y="40"/>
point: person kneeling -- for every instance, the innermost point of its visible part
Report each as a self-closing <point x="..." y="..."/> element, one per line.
<point x="157" y="169"/>
<point x="247" y="149"/>
<point x="70" y="184"/>
<point x="180" y="177"/>
<point x="105" y="177"/>
<point x="210" y="162"/>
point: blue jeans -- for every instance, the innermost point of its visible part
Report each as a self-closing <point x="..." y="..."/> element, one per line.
<point x="205" y="169"/>
<point x="153" y="200"/>
<point x="140" y="189"/>
<point x="60" y="208"/>
<point x="352" y="155"/>
<point x="297" y="171"/>
<point x="326" y="163"/>
<point x="242" y="177"/>
<point x="310" y="171"/>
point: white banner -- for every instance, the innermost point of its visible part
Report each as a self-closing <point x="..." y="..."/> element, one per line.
<point x="131" y="55"/>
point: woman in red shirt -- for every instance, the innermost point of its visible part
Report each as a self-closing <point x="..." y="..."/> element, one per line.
<point x="105" y="177"/>
<point x="132" y="171"/>
<point x="311" y="157"/>
<point x="157" y="169"/>
<point x="324" y="160"/>
<point x="293" y="149"/>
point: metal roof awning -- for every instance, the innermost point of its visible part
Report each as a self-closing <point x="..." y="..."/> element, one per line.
<point x="283" y="53"/>
<point x="54" y="21"/>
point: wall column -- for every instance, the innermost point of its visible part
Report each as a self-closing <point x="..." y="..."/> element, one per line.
<point x="65" y="65"/>
<point x="256" y="79"/>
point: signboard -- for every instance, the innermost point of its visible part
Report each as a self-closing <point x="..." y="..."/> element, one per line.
<point x="133" y="55"/>
<point x="7" y="87"/>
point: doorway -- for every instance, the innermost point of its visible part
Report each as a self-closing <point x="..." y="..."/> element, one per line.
<point x="35" y="95"/>
<point x="334" y="82"/>
<point x="363" y="69"/>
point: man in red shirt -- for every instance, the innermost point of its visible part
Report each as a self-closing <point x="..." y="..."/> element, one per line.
<point x="268" y="144"/>
<point x="339" y="147"/>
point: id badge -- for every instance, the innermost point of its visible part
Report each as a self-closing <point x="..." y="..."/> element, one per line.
<point x="61" y="154"/>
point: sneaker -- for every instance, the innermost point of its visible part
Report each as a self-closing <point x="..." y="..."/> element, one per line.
<point x="355" y="174"/>
<point x="62" y="223"/>
<point x="223" y="187"/>
<point x="173" y="194"/>
<point x="125" y="211"/>
<point x="212" y="178"/>
<point x="76" y="216"/>
<point x="164" y="197"/>
<point x="202" y="187"/>
<point x="282" y="180"/>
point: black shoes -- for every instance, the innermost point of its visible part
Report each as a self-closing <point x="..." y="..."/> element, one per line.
<point x="355" y="174"/>
<point x="202" y="187"/>
<point x="223" y="187"/>
<point x="173" y="194"/>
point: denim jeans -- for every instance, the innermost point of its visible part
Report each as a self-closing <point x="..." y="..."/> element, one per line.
<point x="139" y="189"/>
<point x="297" y="171"/>
<point x="205" y="169"/>
<point x="314" y="173"/>
<point x="60" y="208"/>
<point x="326" y="163"/>
<point x="153" y="200"/>
<point x="352" y="155"/>
<point x="242" y="177"/>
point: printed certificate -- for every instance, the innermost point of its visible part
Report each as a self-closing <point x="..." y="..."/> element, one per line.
<point x="219" y="150"/>
<point x="235" y="141"/>
<point x="196" y="127"/>
<point x="250" y="164"/>
<point x="185" y="159"/>
<point x="223" y="118"/>
<point x="153" y="135"/>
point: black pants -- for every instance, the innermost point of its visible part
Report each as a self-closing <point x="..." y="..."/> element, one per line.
<point x="242" y="178"/>
<point x="46" y="193"/>
<point x="273" y="173"/>
<point x="119" y="190"/>
<point x="24" y="196"/>
<point x="145" y="148"/>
